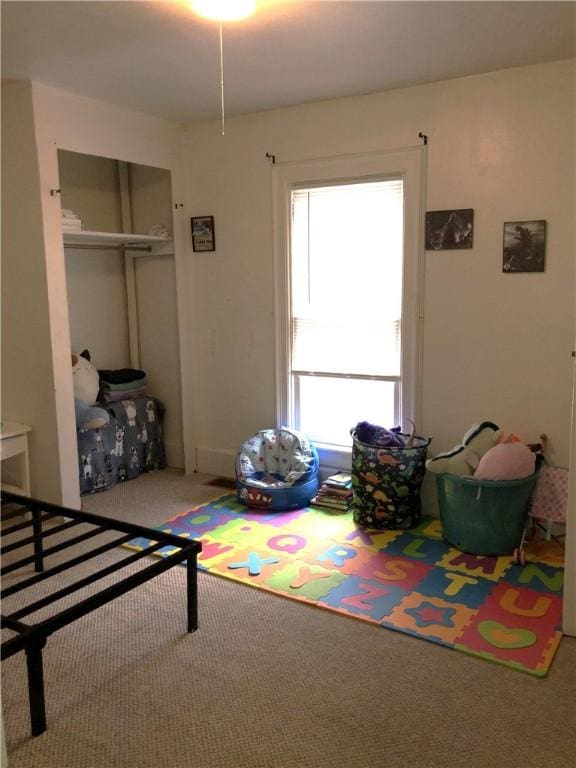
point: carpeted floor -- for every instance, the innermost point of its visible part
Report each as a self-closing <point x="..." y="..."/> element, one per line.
<point x="268" y="683"/>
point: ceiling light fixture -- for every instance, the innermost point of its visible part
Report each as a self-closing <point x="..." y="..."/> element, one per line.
<point x="221" y="11"/>
<point x="224" y="10"/>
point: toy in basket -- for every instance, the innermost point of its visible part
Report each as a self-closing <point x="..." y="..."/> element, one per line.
<point x="484" y="509"/>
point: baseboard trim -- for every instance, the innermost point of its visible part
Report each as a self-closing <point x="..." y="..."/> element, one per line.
<point x="174" y="455"/>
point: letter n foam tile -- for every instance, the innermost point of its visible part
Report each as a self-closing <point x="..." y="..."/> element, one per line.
<point x="430" y="617"/>
<point x="538" y="576"/>
<point x="366" y="598"/>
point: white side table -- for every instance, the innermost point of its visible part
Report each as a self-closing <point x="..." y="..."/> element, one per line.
<point x="14" y="443"/>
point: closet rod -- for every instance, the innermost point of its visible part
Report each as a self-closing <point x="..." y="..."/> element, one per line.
<point x="108" y="247"/>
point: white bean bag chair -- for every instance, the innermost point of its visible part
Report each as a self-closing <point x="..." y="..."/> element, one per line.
<point x="277" y="469"/>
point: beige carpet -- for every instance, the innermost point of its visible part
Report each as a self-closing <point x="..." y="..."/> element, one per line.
<point x="268" y="683"/>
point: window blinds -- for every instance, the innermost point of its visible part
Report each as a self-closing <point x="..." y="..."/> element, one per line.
<point x="347" y="249"/>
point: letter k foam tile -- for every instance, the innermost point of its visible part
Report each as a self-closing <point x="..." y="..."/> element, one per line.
<point x="411" y="581"/>
<point x="363" y="538"/>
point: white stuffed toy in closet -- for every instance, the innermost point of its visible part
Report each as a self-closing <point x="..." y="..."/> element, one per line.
<point x="86" y="385"/>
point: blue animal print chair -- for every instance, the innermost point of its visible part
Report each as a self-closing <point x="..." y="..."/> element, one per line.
<point x="277" y="470"/>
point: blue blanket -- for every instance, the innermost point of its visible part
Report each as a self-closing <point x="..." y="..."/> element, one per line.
<point x="132" y="443"/>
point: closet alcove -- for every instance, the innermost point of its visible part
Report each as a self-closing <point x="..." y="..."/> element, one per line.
<point x="121" y="276"/>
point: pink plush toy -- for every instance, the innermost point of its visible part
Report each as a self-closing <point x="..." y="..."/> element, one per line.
<point x="506" y="461"/>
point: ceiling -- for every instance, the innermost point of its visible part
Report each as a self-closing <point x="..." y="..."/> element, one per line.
<point x="159" y="58"/>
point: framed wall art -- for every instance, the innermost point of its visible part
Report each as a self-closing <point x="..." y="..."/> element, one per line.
<point x="524" y="248"/>
<point x="449" y="230"/>
<point x="203" y="236"/>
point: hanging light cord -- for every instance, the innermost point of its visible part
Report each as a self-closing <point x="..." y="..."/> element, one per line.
<point x="222" y="78"/>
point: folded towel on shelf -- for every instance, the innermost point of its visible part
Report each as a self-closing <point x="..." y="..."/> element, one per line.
<point x="136" y="384"/>
<point x="71" y="222"/>
<point x="127" y="394"/>
<point x="121" y="376"/>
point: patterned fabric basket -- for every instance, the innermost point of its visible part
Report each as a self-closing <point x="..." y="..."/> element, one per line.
<point x="386" y="484"/>
<point x="550" y="501"/>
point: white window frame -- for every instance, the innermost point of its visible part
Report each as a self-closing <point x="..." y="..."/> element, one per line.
<point x="407" y="164"/>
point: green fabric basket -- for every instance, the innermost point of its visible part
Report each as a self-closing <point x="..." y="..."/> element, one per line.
<point x="484" y="517"/>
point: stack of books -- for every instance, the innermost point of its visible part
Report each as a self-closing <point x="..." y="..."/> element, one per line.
<point x="335" y="493"/>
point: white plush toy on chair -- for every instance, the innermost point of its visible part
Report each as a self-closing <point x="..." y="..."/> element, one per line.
<point x="464" y="458"/>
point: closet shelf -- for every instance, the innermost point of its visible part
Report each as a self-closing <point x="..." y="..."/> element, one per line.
<point x="86" y="237"/>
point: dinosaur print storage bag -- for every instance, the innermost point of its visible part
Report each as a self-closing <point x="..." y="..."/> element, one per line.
<point x="386" y="483"/>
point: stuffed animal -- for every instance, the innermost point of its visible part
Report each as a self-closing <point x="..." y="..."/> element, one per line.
<point x="506" y="461"/>
<point x="90" y="416"/>
<point x="86" y="385"/>
<point x="464" y="458"/>
<point x="372" y="434"/>
<point x="86" y="378"/>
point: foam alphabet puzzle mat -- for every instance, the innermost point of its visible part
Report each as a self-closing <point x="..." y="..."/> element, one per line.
<point x="409" y="581"/>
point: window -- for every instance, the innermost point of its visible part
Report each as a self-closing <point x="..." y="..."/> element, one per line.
<point x="346" y="305"/>
<point x="347" y="250"/>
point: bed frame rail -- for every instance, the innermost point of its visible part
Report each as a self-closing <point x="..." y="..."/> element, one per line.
<point x="31" y="637"/>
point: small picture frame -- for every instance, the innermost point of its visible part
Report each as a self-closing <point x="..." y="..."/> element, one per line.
<point x="203" y="237"/>
<point x="449" y="230"/>
<point x="524" y="247"/>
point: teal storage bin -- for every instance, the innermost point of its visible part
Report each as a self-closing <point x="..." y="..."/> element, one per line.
<point x="484" y="517"/>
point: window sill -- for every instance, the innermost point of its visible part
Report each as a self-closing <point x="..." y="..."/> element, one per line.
<point x="334" y="457"/>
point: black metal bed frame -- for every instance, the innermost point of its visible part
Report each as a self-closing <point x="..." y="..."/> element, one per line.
<point x="31" y="638"/>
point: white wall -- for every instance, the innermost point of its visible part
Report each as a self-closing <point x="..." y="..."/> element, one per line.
<point x="496" y="346"/>
<point x="28" y="384"/>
